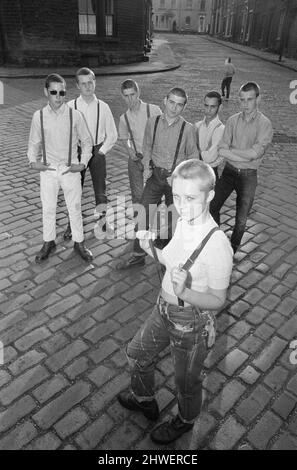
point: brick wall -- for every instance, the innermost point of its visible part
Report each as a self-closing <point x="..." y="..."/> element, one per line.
<point x="41" y="33"/>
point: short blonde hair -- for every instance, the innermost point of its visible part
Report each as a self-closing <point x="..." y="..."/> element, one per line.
<point x="195" y="169"/>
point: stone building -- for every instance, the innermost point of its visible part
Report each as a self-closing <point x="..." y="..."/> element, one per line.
<point x="270" y="25"/>
<point x="191" y="16"/>
<point x="73" y="32"/>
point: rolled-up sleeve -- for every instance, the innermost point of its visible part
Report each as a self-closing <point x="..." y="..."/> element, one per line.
<point x="227" y="135"/>
<point x="264" y="137"/>
<point x="34" y="143"/>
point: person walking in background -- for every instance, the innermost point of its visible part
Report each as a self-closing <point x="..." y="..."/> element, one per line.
<point x="57" y="129"/>
<point x="131" y="131"/>
<point x="246" y="137"/>
<point x="229" y="71"/>
<point x="210" y="131"/>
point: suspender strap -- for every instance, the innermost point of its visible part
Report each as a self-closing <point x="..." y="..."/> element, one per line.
<point x="130" y="132"/>
<point x="75" y="103"/>
<point x="42" y="137"/>
<point x="190" y="261"/>
<point x="178" y="146"/>
<point x="148" y="110"/>
<point x="155" y="132"/>
<point x="70" y="136"/>
<point x="97" y="125"/>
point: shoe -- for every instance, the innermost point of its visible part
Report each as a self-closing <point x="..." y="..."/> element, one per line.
<point x="149" y="409"/>
<point x="46" y="250"/>
<point x="83" y="252"/>
<point x="132" y="262"/>
<point x="67" y="234"/>
<point x="170" y="431"/>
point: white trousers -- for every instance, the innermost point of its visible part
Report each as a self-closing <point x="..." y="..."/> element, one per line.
<point x="50" y="182"/>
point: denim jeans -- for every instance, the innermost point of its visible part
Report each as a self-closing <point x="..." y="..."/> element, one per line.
<point x="183" y="329"/>
<point x="244" y="182"/>
<point x="226" y="83"/>
<point x="136" y="180"/>
<point x="152" y="194"/>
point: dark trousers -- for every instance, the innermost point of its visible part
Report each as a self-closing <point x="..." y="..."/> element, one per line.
<point x="151" y="198"/>
<point x="226" y="83"/>
<point x="244" y="183"/>
<point x="97" y="166"/>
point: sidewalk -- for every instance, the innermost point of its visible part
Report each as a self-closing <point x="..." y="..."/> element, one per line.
<point x="161" y="59"/>
<point x="290" y="64"/>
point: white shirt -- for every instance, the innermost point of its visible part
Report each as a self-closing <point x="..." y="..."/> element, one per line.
<point x="56" y="135"/>
<point x="137" y="120"/>
<point x="213" y="267"/>
<point x="107" y="131"/>
<point x="209" y="137"/>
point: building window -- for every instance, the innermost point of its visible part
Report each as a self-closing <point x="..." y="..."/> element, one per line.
<point x="202" y="6"/>
<point x="173" y="3"/>
<point x="87" y="17"/>
<point x="162" y="3"/>
<point x="189" y="4"/>
<point x="97" y="17"/>
<point x="109" y="18"/>
<point x="188" y="21"/>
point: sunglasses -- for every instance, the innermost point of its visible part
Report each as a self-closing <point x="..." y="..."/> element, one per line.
<point x="55" y="92"/>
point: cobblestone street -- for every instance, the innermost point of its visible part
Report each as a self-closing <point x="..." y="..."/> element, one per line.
<point x="64" y="324"/>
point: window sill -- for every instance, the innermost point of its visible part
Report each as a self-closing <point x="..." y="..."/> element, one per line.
<point x="94" y="38"/>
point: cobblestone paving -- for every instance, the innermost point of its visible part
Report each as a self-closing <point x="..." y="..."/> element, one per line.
<point x="64" y="324"/>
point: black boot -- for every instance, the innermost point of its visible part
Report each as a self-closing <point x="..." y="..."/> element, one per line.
<point x="170" y="431"/>
<point x="67" y="234"/>
<point x="45" y="251"/>
<point x="149" y="408"/>
<point x="83" y="252"/>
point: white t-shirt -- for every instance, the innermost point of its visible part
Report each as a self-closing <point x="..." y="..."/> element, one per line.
<point x="213" y="267"/>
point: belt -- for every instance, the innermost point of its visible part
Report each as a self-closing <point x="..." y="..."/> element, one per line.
<point x="243" y="171"/>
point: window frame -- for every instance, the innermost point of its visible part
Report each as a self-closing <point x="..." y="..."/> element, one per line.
<point x="101" y="30"/>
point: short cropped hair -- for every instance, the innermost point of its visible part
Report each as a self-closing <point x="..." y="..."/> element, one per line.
<point x="214" y="94"/>
<point x="178" y="92"/>
<point x="84" y="71"/>
<point x="127" y="84"/>
<point x="249" y="86"/>
<point x="54" y="78"/>
<point x="195" y="169"/>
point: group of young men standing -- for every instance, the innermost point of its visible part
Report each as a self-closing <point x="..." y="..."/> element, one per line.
<point x="182" y="162"/>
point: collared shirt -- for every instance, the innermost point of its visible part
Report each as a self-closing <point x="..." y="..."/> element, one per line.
<point x="166" y="142"/>
<point x="107" y="131"/>
<point x="56" y="135"/>
<point x="255" y="133"/>
<point x="209" y="137"/>
<point x="137" y="120"/>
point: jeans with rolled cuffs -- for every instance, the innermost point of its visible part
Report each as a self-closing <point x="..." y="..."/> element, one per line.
<point x="244" y="183"/>
<point x="183" y="330"/>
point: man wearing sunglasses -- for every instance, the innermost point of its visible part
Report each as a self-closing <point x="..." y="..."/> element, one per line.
<point x="56" y="129"/>
<point x="104" y="134"/>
